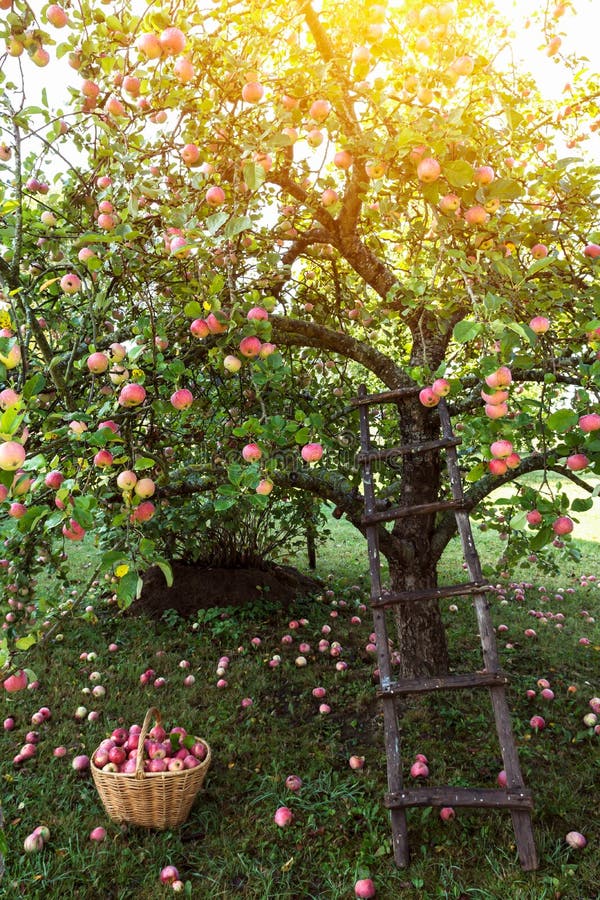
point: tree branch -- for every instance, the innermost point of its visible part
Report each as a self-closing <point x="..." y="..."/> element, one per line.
<point x="446" y="528"/>
<point x="296" y="332"/>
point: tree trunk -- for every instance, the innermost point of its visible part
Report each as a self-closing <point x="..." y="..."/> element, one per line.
<point x="420" y="630"/>
<point x="421" y="637"/>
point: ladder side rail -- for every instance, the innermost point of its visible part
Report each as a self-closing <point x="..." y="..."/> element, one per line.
<point x="521" y="819"/>
<point x="463" y="523"/>
<point x="390" y="718"/>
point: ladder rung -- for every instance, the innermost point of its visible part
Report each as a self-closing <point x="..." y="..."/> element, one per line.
<point x="400" y="512"/>
<point x="444" y="683"/>
<point x="391" y="598"/>
<point x="484" y="798"/>
<point x="407" y="448"/>
<point x="385" y="396"/>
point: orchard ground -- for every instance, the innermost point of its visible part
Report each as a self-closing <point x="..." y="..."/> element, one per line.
<point x="230" y="845"/>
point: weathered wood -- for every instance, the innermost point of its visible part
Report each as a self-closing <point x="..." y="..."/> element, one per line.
<point x="476" y="798"/>
<point x="444" y="683"/>
<point x="404" y="449"/>
<point x="516" y="797"/>
<point x="385" y="396"/>
<point x="392" y="598"/>
<point x="400" y="512"/>
<point x="391" y="730"/>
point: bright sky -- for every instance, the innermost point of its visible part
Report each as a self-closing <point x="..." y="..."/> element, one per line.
<point x="581" y="24"/>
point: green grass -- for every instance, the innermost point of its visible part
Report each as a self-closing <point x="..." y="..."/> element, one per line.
<point x="230" y="846"/>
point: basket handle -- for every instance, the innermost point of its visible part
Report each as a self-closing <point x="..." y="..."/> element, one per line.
<point x="152" y="713"/>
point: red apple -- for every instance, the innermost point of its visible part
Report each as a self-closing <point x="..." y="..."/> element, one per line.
<point x="15" y="682"/>
<point x="216" y="325"/>
<point x="587" y="423"/>
<point x="199" y="328"/>
<point x="577" y="461"/>
<point x="483" y="175"/>
<point x="501" y="449"/>
<point x="364" y="889"/>
<point x="190" y="154"/>
<point x="250" y="347"/>
<point x="182" y="399"/>
<point x="70" y="283"/>
<point x="149" y="45"/>
<point x="539" y="324"/>
<point x="476" y="215"/>
<point x="319" y="110"/>
<point x="539" y="251"/>
<point x="283" y="816"/>
<point x="12" y="456"/>
<point x="252" y="92"/>
<point x="172" y="41"/>
<point x="215" y="196"/>
<point x="103" y="458"/>
<point x="311" y="452"/>
<point x="132" y="395"/>
<point x="428" y="170"/>
<point x="145" y="488"/>
<point x="563" y="525"/>
<point x="126" y="480"/>
<point x="449" y="203"/>
<point x="343" y="159"/>
<point x="251" y="453"/>
<point x="428" y="397"/>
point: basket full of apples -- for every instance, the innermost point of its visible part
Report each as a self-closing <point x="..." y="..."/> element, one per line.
<point x="148" y="777"/>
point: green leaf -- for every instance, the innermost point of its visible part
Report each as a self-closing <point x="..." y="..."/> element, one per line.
<point x="167" y="571"/>
<point x="492" y="302"/>
<point x="214" y="222"/>
<point x="466" y="330"/>
<point x="458" y="173"/>
<point x="217" y="284"/>
<point x="476" y="473"/>
<point x="562" y="420"/>
<point x="143" y="462"/>
<point x="227" y="490"/>
<point x="254" y="175"/>
<point x="26" y="642"/>
<point x="236" y="226"/>
<point x="524" y="332"/>
<point x="31" y="518"/>
<point x="519" y="522"/>
<point x="543" y="537"/>
<point x="505" y="189"/>
<point x="538" y="265"/>
<point x="582" y="504"/>
<point x="193" y="309"/>
<point x="128" y="588"/>
<point x="224" y="503"/>
<point x="34" y="385"/>
<point x="111" y="558"/>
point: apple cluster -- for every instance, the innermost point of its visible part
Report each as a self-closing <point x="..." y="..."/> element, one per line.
<point x="172" y="751"/>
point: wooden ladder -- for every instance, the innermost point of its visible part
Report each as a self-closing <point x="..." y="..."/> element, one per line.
<point x="515" y="797"/>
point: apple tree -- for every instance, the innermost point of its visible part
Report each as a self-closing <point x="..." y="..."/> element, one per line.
<point x="237" y="214"/>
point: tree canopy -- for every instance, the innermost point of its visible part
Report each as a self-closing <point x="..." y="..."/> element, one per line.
<point x="242" y="211"/>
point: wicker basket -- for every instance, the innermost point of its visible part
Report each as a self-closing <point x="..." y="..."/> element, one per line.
<point x="150" y="799"/>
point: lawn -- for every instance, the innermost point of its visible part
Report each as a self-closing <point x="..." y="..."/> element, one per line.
<point x="230" y="846"/>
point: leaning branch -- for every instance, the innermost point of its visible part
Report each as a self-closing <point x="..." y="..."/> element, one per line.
<point x="297" y="332"/>
<point x="446" y="528"/>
